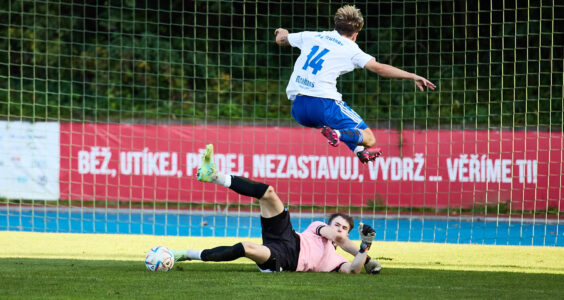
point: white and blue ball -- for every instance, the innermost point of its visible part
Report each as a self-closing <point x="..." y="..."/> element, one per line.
<point x="159" y="259"/>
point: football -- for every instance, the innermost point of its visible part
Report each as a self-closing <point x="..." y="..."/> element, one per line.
<point x="159" y="259"/>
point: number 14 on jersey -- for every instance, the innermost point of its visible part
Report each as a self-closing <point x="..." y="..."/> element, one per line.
<point x="317" y="62"/>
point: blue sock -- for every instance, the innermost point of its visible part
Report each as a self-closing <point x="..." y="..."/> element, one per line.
<point x="351" y="146"/>
<point x="351" y="136"/>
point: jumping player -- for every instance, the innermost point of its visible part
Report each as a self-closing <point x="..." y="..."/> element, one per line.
<point x="313" y="85"/>
<point x="313" y="250"/>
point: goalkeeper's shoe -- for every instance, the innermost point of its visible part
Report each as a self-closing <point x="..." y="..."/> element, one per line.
<point x="208" y="170"/>
<point x="180" y="255"/>
<point x="331" y="135"/>
<point x="365" y="156"/>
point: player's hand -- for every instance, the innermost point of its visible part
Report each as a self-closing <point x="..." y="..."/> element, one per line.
<point x="372" y="266"/>
<point x="422" y="82"/>
<point x="367" y="235"/>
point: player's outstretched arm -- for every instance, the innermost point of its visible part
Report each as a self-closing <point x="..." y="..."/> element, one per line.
<point x="349" y="246"/>
<point x="367" y="235"/>
<point x="331" y="234"/>
<point x="343" y="242"/>
<point x="356" y="266"/>
<point x="371" y="265"/>
<point x="393" y="72"/>
<point x="282" y="37"/>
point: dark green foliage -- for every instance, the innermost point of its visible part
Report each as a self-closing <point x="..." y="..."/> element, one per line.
<point x="194" y="61"/>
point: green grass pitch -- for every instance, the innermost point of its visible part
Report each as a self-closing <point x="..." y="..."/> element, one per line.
<point x="85" y="266"/>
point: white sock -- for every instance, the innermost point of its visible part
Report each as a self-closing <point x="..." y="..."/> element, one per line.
<point x="194" y="254"/>
<point x="358" y="149"/>
<point x="338" y="133"/>
<point x="222" y="179"/>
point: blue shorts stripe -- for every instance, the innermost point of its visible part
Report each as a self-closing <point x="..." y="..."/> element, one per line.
<point x="349" y="112"/>
<point x="318" y="112"/>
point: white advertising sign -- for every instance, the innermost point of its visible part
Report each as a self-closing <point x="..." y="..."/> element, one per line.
<point x="29" y="160"/>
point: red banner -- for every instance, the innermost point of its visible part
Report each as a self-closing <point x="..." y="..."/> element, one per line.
<point x="432" y="168"/>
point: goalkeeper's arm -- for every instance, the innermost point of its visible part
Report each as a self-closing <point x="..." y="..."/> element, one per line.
<point x="367" y="235"/>
<point x="371" y="265"/>
<point x="356" y="265"/>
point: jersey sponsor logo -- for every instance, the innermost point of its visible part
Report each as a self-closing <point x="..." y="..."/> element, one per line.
<point x="330" y="38"/>
<point x="305" y="82"/>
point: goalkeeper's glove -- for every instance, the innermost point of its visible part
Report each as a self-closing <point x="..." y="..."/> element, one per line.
<point x="372" y="266"/>
<point x="366" y="235"/>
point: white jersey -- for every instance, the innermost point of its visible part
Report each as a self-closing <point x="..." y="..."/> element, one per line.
<point x="324" y="57"/>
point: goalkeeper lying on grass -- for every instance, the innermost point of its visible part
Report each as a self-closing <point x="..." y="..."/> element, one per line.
<point x="313" y="250"/>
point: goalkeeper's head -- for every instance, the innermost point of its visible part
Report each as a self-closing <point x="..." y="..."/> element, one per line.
<point x="348" y="21"/>
<point x="341" y="221"/>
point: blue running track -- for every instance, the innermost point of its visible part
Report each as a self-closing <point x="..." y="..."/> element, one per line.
<point x="457" y="231"/>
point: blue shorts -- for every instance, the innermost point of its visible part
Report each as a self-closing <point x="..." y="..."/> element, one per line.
<point x="318" y="112"/>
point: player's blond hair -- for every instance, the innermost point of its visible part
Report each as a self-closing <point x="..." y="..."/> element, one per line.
<point x="348" y="20"/>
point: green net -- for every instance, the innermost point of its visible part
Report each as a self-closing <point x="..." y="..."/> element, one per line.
<point x="498" y="66"/>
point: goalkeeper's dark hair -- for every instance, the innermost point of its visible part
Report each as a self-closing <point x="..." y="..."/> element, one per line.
<point x="347" y="218"/>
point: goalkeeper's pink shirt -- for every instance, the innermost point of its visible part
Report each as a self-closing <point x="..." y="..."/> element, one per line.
<point x="317" y="254"/>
